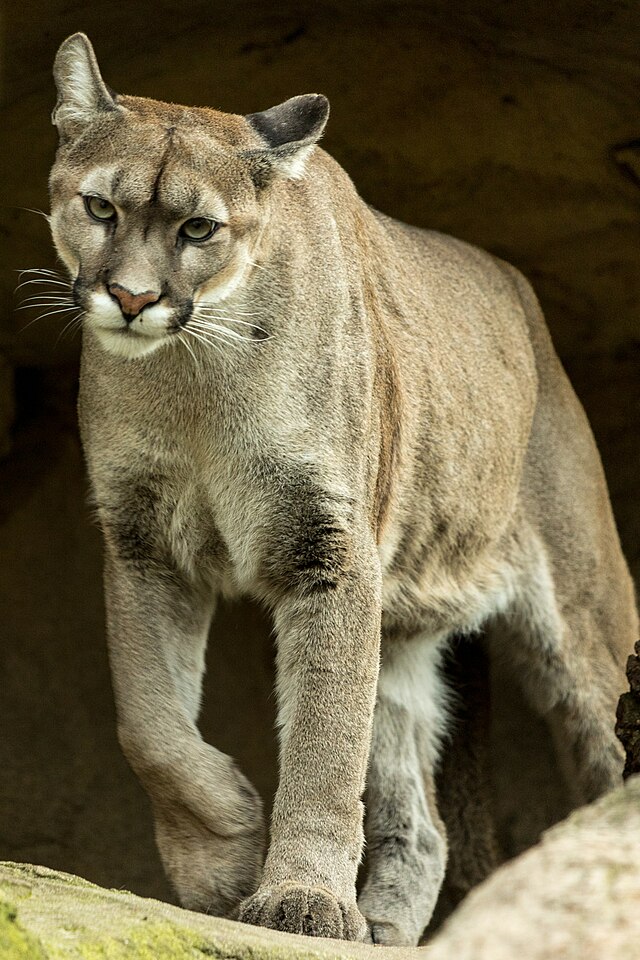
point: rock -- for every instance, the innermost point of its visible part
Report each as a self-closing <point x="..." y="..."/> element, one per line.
<point x="628" y="716"/>
<point x="574" y="896"/>
<point x="15" y="942"/>
<point x="47" y="915"/>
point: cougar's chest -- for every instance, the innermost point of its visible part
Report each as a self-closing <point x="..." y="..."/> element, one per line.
<point x="184" y="505"/>
<point x="157" y="514"/>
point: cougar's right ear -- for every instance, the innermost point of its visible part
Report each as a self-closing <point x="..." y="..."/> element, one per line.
<point x="289" y="131"/>
<point x="82" y="93"/>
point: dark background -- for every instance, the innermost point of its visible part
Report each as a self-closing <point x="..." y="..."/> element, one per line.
<point x="509" y="124"/>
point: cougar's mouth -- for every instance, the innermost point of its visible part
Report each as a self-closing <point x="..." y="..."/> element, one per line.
<point x="128" y="336"/>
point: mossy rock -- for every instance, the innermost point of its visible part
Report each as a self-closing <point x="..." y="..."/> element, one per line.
<point x="15" y="942"/>
<point x="47" y="915"/>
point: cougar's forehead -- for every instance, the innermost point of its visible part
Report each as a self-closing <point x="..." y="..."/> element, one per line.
<point x="168" y="185"/>
<point x="182" y="169"/>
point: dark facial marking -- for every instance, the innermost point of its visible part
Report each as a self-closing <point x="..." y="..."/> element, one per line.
<point x="155" y="190"/>
<point x="116" y="180"/>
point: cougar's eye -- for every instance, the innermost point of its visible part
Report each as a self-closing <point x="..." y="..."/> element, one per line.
<point x="100" y="209"/>
<point x="198" y="228"/>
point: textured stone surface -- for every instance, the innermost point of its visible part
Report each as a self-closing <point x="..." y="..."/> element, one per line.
<point x="574" y="896"/>
<point x="46" y="915"/>
<point x="628" y="716"/>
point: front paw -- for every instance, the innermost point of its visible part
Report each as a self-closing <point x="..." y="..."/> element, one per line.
<point x="313" y="911"/>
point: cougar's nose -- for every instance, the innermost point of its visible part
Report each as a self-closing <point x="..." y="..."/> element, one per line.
<point x="131" y="303"/>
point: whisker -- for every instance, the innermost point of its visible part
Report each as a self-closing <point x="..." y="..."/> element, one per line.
<point x="197" y="334"/>
<point x="231" y="334"/>
<point x="43" y="315"/>
<point x="39" y="212"/>
<point x="207" y="342"/>
<point x="212" y="312"/>
<point x="186" y="344"/>
<point x="48" y="303"/>
<point x="212" y="305"/>
<point x="225" y="332"/>
<point x="223" y="316"/>
<point x="55" y="294"/>
<point x="208" y="332"/>
<point x="74" y="324"/>
<point x="206" y="335"/>
<point x="246" y="323"/>
<point x="50" y="295"/>
<point x="53" y="273"/>
<point x="209" y="316"/>
<point x="45" y="293"/>
<point x="60" y="283"/>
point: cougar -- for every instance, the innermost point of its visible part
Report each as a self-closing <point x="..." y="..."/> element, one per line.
<point x="288" y="396"/>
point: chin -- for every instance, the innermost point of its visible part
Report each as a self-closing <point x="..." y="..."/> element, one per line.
<point x="127" y="344"/>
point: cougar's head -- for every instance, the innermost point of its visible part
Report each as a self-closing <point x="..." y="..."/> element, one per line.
<point x="157" y="209"/>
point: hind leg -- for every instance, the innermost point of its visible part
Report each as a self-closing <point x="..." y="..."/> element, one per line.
<point x="568" y="671"/>
<point x="406" y="843"/>
<point x="464" y="787"/>
<point x="580" y="692"/>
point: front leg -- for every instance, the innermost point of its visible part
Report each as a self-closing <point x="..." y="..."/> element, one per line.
<point x="208" y="818"/>
<point x="328" y="627"/>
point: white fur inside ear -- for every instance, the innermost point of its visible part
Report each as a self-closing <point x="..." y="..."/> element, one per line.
<point x="293" y="167"/>
<point x="81" y="89"/>
<point x="80" y="95"/>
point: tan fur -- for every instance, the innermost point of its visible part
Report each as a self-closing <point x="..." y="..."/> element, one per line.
<point x="376" y="439"/>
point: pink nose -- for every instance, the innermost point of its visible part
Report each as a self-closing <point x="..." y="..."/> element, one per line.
<point x="132" y="303"/>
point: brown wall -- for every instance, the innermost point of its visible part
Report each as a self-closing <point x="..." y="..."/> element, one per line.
<point x="503" y="123"/>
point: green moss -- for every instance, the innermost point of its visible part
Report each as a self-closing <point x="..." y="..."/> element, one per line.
<point x="157" y="941"/>
<point x="31" y="871"/>
<point x="66" y="918"/>
<point x="15" y="890"/>
<point x="149" y="941"/>
<point x="15" y="942"/>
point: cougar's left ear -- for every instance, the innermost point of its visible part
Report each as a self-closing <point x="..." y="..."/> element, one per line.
<point x="290" y="132"/>
<point x="82" y="93"/>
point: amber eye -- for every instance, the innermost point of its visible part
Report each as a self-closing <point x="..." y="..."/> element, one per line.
<point x="100" y="209"/>
<point x="198" y="228"/>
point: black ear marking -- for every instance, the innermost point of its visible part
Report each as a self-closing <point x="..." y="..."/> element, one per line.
<point x="289" y="132"/>
<point x="298" y="120"/>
